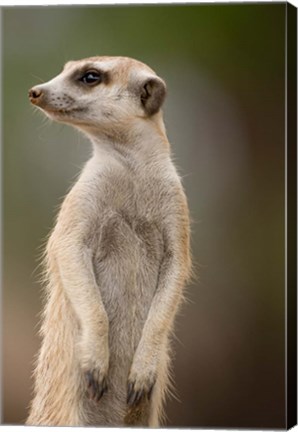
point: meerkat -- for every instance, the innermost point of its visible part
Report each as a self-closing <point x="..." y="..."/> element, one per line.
<point x="118" y="258"/>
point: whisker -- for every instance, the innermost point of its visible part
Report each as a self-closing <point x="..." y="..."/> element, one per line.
<point x="37" y="77"/>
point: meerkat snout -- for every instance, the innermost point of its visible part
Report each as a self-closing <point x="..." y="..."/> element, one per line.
<point x="34" y="95"/>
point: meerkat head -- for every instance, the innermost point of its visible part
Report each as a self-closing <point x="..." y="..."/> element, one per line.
<point x="101" y="93"/>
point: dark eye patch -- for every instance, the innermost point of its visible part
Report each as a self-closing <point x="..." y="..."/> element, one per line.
<point x="91" y="77"/>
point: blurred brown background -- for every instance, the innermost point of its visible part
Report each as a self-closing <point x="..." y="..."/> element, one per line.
<point x="224" y="66"/>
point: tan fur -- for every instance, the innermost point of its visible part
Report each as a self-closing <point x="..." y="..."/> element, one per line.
<point x="118" y="257"/>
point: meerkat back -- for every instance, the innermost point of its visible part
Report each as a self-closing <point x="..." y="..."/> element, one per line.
<point x="118" y="257"/>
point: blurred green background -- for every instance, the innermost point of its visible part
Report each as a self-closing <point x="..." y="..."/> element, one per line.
<point x="224" y="66"/>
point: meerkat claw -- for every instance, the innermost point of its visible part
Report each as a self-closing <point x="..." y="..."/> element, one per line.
<point x="134" y="397"/>
<point x="88" y="376"/>
<point x="130" y="394"/>
<point x="139" y="396"/>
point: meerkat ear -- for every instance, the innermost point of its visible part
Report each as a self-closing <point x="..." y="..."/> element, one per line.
<point x="153" y="93"/>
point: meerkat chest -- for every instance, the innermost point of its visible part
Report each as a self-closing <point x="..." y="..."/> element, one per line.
<point x="132" y="217"/>
<point x="132" y="214"/>
<point x="117" y="212"/>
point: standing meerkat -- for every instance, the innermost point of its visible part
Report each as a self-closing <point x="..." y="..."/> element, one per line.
<point x="118" y="257"/>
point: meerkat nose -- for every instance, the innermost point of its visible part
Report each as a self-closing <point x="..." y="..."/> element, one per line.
<point x="35" y="94"/>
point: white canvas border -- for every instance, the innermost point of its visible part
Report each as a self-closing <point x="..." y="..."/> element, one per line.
<point x="11" y="3"/>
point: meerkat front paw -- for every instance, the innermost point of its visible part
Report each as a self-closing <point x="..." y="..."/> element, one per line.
<point x="140" y="384"/>
<point x="136" y="391"/>
<point x="96" y="384"/>
<point x="95" y="363"/>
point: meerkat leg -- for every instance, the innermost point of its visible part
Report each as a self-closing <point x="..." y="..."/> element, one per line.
<point x="161" y="386"/>
<point x="148" y="411"/>
<point x="58" y="379"/>
<point x="78" y="280"/>
<point x="150" y="354"/>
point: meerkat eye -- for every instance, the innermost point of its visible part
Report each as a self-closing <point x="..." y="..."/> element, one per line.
<point x="91" y="78"/>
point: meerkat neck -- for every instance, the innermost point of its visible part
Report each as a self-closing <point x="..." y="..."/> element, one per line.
<point x="141" y="139"/>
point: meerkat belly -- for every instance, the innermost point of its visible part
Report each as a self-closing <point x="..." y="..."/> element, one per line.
<point x="127" y="266"/>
